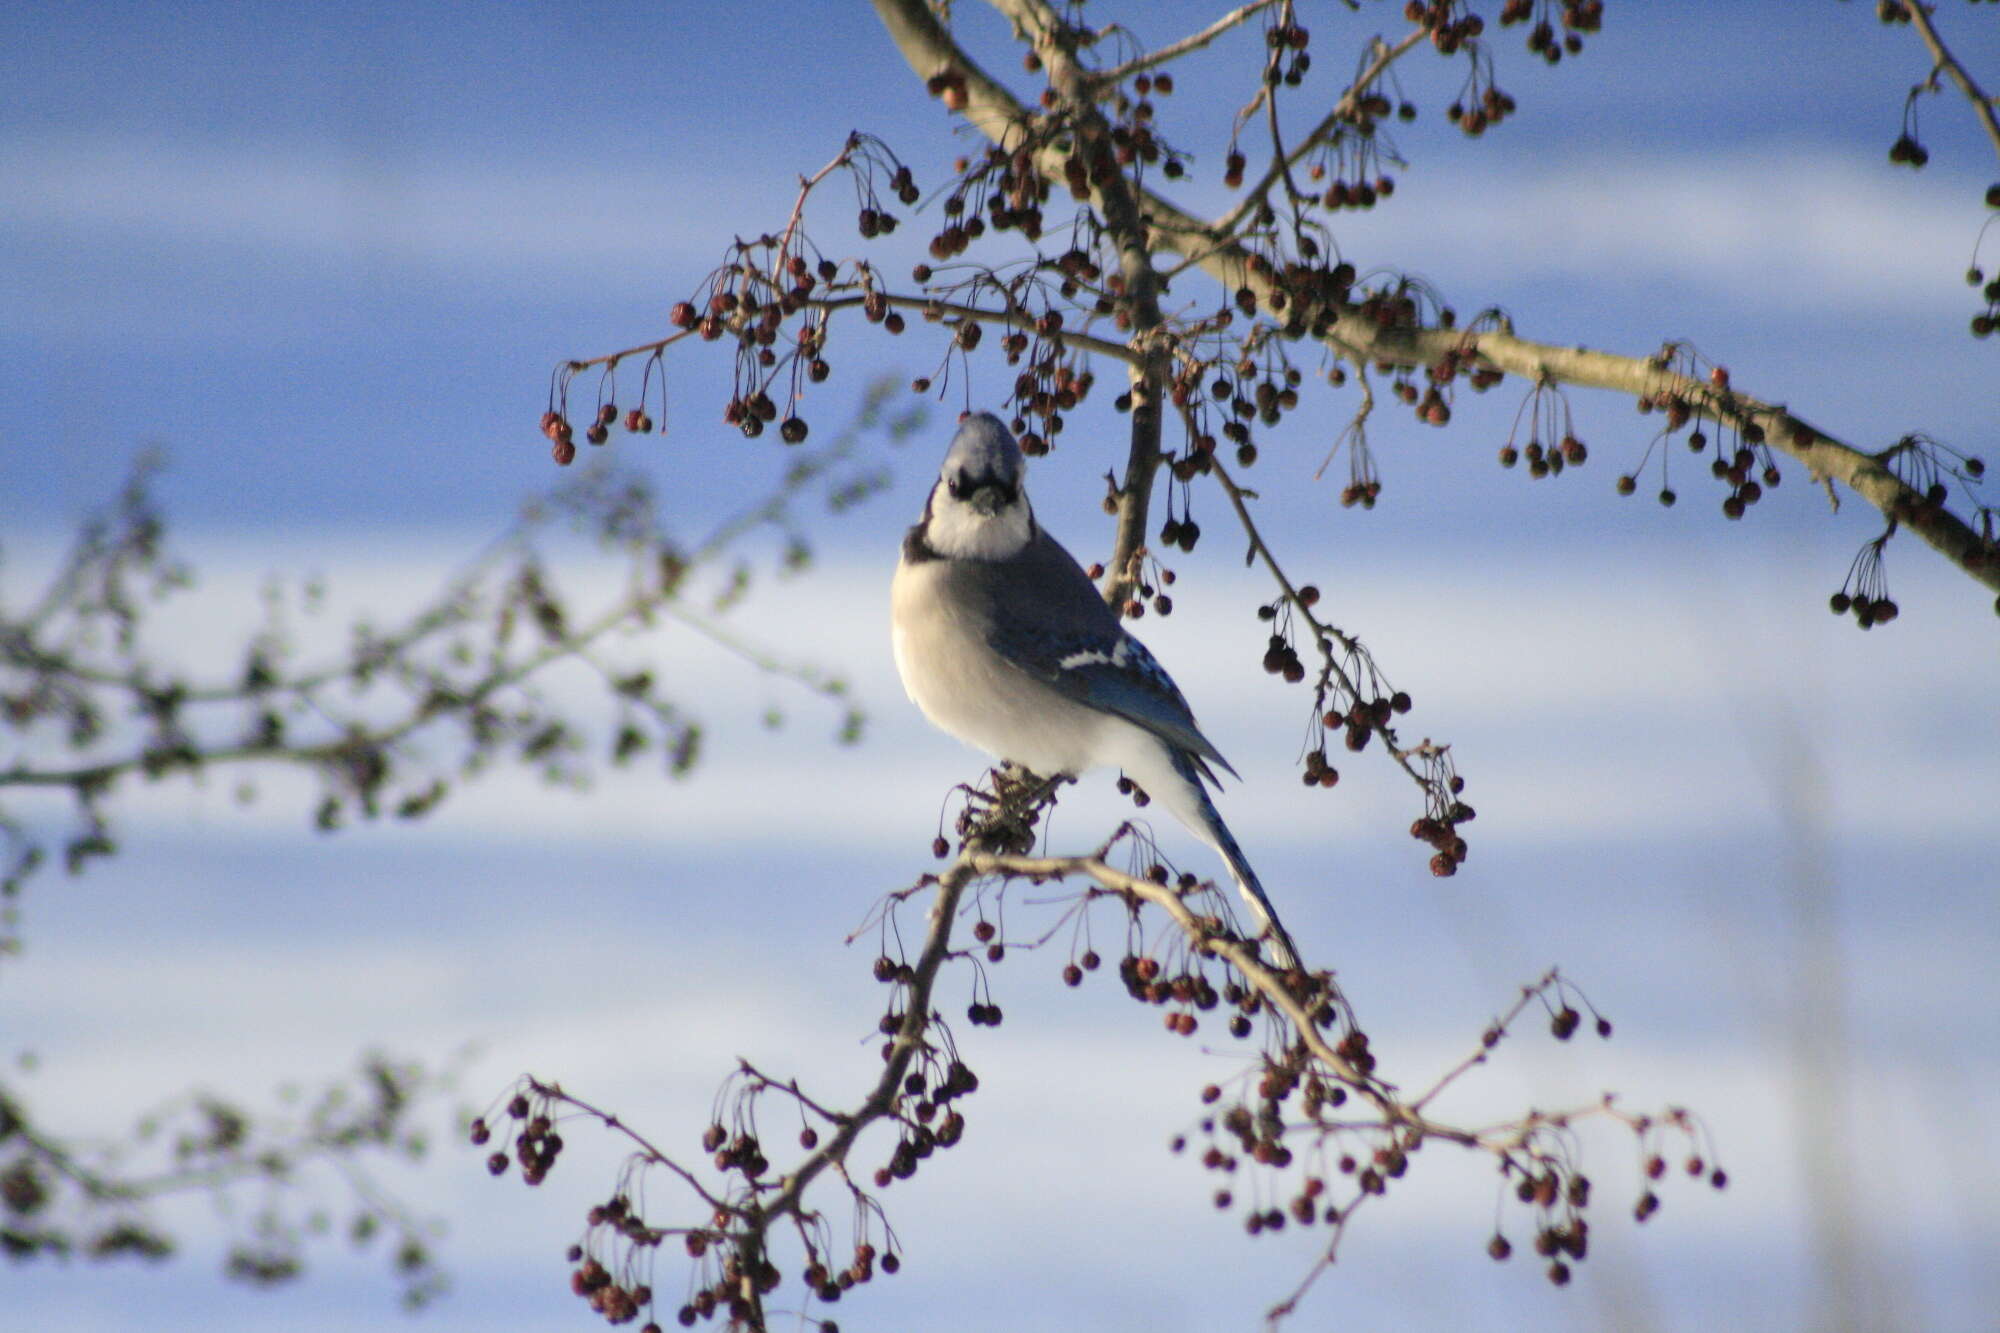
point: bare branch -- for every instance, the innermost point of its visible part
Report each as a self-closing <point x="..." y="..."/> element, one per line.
<point x="1345" y="109"/>
<point x="63" y="1197"/>
<point x="929" y="306"/>
<point x="1954" y="69"/>
<point x="1195" y="41"/>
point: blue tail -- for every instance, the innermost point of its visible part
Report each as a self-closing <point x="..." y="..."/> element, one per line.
<point x="1216" y="833"/>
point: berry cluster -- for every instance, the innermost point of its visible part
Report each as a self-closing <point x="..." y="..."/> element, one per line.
<point x="1695" y="1166"/>
<point x="1546" y="461"/>
<point x="535" y="1141"/>
<point x="1543" y="1161"/>
<point x="734" y="1271"/>
<point x="561" y="436"/>
<point x="1451" y="27"/>
<point x="1906" y="151"/>
<point x="1286" y="42"/>
<point x="1306" y="293"/>
<point x="1254" y="1128"/>
<point x="556" y="425"/>
<point x="1052" y="383"/>
<point x="1865" y="590"/>
<point x="1546" y="409"/>
<point x="1365" y="717"/>
<point x="1480" y="105"/>
<point x="1280" y="657"/>
<point x="924" y="1103"/>
<point x="1987" y="318"/>
<point x="1923" y="464"/>
<point x="1351" y="696"/>
<point x="1364" y="483"/>
<point x="1004" y="187"/>
<point x="761" y="286"/>
<point x="1358" y="193"/>
<point x="735" y="1278"/>
<point x="1008" y="186"/>
<point x="1133" y="142"/>
<point x="618" y="1303"/>
<point x="1053" y="377"/>
<point x="1182" y="532"/>
<point x="1577" y="17"/>
<point x="1187" y="992"/>
<point x="1562" y="1233"/>
<point x="1250" y="388"/>
<point x="1149" y="578"/>
<point x="1438" y="826"/>
<point x="1741" y="457"/>
<point x="1348" y="167"/>
<point x="766" y="283"/>
<point x="1434" y="408"/>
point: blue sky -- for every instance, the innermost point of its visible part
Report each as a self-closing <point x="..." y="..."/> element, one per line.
<point x="325" y="259"/>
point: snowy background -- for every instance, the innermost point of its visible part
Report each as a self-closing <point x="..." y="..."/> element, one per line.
<point x="325" y="258"/>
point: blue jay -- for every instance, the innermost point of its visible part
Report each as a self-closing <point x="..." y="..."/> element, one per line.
<point x="1003" y="642"/>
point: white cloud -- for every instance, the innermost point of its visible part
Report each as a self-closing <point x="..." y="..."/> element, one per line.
<point x="1793" y="229"/>
<point x="1796" y="226"/>
<point x="308" y="200"/>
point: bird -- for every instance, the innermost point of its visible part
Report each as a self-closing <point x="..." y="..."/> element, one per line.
<point x="1003" y="642"/>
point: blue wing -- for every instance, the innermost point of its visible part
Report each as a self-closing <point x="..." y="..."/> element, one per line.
<point x="1107" y="669"/>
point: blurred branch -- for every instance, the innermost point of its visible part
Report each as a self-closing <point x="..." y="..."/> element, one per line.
<point x="62" y="1198"/>
<point x="89" y="704"/>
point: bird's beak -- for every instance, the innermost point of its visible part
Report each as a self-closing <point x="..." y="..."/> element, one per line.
<point x="988" y="500"/>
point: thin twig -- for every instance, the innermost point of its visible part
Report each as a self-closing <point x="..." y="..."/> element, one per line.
<point x="1982" y="104"/>
<point x="1011" y="318"/>
<point x="1383" y="55"/>
<point x="1117" y="74"/>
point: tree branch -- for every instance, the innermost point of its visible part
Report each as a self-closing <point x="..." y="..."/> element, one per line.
<point x="59" y="1197"/>
<point x="1012" y="318"/>
<point x="1210" y="247"/>
<point x="1345" y="109"/>
<point x="1116" y="198"/>
<point x="1944" y="60"/>
<point x="1235" y="18"/>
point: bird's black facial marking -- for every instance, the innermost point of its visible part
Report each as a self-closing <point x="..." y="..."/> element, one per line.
<point x="963" y="485"/>
<point x="917" y="546"/>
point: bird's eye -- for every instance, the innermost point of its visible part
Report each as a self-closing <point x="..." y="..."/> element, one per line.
<point x="958" y="486"/>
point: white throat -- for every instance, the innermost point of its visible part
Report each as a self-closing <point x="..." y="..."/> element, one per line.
<point x="958" y="531"/>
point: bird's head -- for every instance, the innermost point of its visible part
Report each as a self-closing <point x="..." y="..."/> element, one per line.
<point x="979" y="508"/>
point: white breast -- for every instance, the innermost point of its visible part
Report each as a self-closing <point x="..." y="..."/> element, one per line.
<point x="967" y="691"/>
